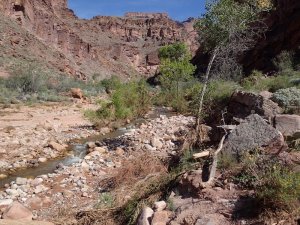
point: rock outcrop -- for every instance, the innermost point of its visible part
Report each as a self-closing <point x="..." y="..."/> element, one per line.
<point x="242" y="104"/>
<point x="124" y="46"/>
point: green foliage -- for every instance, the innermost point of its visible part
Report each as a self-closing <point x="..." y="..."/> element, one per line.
<point x="131" y="100"/>
<point x="31" y="82"/>
<point x="279" y="188"/>
<point x="227" y="162"/>
<point x="128" y="100"/>
<point x="257" y="82"/>
<point x="27" y="79"/>
<point x="276" y="186"/>
<point x="217" y="96"/>
<point x="111" y="84"/>
<point x="171" y="205"/>
<point x="223" y="20"/>
<point x="175" y="70"/>
<point x="174" y="52"/>
<point x="288" y="97"/>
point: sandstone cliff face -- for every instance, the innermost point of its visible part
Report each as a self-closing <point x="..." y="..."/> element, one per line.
<point x="124" y="46"/>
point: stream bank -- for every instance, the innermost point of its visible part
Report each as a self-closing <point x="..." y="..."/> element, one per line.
<point x="76" y="186"/>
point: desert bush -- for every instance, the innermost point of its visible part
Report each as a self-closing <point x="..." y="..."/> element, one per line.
<point x="31" y="82"/>
<point x="257" y="82"/>
<point x="279" y="188"/>
<point x="128" y="100"/>
<point x="276" y="186"/>
<point x="131" y="100"/>
<point x="27" y="79"/>
<point x="288" y="97"/>
<point x="111" y="84"/>
<point x="106" y="200"/>
<point x="217" y="97"/>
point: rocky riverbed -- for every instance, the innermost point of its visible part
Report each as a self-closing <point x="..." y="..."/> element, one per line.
<point x="33" y="135"/>
<point x="76" y="187"/>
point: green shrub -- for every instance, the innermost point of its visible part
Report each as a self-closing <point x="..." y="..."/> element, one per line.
<point x="276" y="186"/>
<point x="257" y="82"/>
<point x="287" y="97"/>
<point x="111" y="84"/>
<point x="128" y="101"/>
<point x="31" y="82"/>
<point x="279" y="188"/>
<point x="27" y="80"/>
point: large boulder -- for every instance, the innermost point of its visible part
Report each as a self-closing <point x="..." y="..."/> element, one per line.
<point x="288" y="125"/>
<point x="253" y="133"/>
<point x="17" y="211"/>
<point x="242" y="104"/>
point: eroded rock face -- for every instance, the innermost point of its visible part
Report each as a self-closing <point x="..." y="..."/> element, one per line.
<point x="112" y="45"/>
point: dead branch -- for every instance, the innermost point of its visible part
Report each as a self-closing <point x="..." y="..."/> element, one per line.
<point x="214" y="165"/>
<point x="201" y="154"/>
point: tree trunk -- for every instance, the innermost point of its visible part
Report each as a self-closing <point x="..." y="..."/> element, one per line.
<point x="206" y="79"/>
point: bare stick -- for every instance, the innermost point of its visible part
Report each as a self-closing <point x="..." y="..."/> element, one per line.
<point x="214" y="165"/>
<point x="201" y="154"/>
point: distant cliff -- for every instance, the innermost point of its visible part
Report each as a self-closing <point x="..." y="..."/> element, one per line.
<point x="125" y="46"/>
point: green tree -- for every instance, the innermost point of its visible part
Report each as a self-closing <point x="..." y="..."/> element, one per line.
<point x="227" y="29"/>
<point x="175" y="68"/>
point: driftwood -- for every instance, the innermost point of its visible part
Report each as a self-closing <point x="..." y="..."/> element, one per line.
<point x="213" y="169"/>
<point x="214" y="164"/>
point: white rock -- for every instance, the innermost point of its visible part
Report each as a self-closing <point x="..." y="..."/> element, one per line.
<point x="42" y="160"/>
<point x="12" y="192"/>
<point x="155" y="142"/>
<point x="6" y="202"/>
<point x="145" y="216"/>
<point x="21" y="181"/>
<point x="160" y="206"/>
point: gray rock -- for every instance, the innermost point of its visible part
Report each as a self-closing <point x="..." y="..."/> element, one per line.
<point x="254" y="132"/>
<point x="160" y="206"/>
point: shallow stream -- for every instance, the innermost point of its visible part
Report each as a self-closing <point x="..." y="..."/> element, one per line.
<point x="78" y="150"/>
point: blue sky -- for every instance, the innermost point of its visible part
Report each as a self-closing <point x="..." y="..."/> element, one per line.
<point x="177" y="9"/>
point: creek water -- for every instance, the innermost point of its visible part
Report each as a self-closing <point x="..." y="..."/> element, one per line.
<point x="78" y="150"/>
